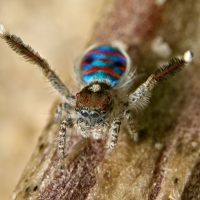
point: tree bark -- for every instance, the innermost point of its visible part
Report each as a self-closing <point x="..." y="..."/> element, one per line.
<point x="165" y="164"/>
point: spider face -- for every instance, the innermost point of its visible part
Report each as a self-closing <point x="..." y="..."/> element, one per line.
<point x="93" y="103"/>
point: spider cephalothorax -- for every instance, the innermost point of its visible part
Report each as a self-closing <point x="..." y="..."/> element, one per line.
<point x="94" y="103"/>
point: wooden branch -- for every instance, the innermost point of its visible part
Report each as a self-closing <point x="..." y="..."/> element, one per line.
<point x="166" y="162"/>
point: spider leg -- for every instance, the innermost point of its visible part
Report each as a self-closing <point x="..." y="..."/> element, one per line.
<point x="113" y="135"/>
<point x="66" y="123"/>
<point x="132" y="129"/>
<point x="32" y="56"/>
<point x="64" y="106"/>
<point x="140" y="98"/>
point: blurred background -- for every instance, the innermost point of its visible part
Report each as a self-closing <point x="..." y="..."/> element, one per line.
<point x="59" y="31"/>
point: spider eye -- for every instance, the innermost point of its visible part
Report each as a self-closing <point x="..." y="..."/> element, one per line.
<point x="103" y="112"/>
<point x="76" y="109"/>
<point x="84" y="113"/>
<point x="94" y="114"/>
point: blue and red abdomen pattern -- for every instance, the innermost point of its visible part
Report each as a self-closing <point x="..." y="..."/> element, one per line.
<point x="103" y="64"/>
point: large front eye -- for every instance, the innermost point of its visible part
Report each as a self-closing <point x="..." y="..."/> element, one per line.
<point x="94" y="114"/>
<point x="84" y="113"/>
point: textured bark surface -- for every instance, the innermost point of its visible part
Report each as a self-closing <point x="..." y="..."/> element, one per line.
<point x="166" y="162"/>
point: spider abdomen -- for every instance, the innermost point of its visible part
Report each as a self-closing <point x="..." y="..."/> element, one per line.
<point x="103" y="64"/>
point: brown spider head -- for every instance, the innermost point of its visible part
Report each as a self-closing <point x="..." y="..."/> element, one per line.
<point x="94" y="102"/>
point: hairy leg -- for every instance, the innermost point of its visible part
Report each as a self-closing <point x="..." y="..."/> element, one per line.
<point x="34" y="57"/>
<point x="132" y="129"/>
<point x="140" y="98"/>
<point x="64" y="106"/>
<point x="113" y="134"/>
<point x="66" y="124"/>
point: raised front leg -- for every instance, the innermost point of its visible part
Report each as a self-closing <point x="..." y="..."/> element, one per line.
<point x="140" y="98"/>
<point x="34" y="57"/>
<point x="113" y="135"/>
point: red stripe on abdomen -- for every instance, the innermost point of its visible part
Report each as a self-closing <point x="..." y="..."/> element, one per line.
<point x="104" y="69"/>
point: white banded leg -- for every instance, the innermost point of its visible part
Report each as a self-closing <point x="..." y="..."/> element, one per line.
<point x="132" y="129"/>
<point x="66" y="123"/>
<point x="140" y="98"/>
<point x="113" y="135"/>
